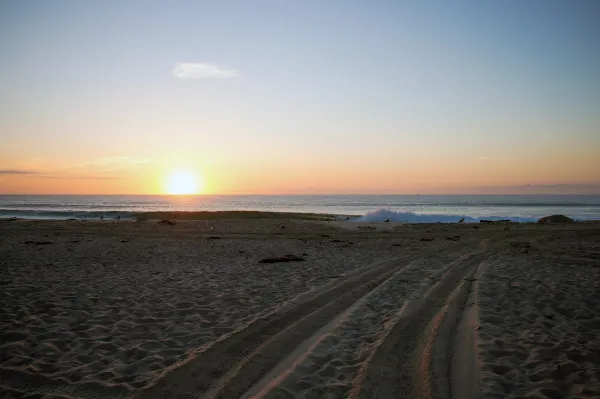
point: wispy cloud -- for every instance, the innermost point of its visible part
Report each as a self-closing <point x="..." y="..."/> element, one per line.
<point x="533" y="189"/>
<point x="109" y="164"/>
<point x="81" y="177"/>
<point x="19" y="172"/>
<point x="46" y="175"/>
<point x="592" y="188"/>
<point x="99" y="177"/>
<point x="105" y="168"/>
<point x="200" y="70"/>
<point x="118" y="160"/>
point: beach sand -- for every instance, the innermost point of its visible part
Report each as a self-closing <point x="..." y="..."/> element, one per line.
<point x="376" y="310"/>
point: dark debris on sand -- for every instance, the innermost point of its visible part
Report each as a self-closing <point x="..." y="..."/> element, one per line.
<point x="284" y="258"/>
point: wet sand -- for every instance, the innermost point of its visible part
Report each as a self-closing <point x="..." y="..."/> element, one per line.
<point x="380" y="310"/>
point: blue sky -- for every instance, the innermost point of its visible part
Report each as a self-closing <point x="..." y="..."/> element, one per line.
<point x="386" y="84"/>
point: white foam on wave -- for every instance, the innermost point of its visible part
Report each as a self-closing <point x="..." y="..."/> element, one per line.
<point x="383" y="214"/>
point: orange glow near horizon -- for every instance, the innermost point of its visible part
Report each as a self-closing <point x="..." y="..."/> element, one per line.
<point x="181" y="173"/>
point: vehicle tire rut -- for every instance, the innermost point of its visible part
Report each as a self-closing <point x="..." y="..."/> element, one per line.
<point x="413" y="360"/>
<point x="230" y="367"/>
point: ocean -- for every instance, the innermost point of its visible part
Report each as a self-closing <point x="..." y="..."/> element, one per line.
<point x="408" y="208"/>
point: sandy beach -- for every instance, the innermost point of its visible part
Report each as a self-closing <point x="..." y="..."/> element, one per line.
<point x="364" y="310"/>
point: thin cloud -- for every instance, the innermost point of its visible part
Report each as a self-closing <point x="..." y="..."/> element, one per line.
<point x="104" y="168"/>
<point x="98" y="177"/>
<point x="118" y="160"/>
<point x="109" y="164"/>
<point x="592" y="188"/>
<point x="19" y="172"/>
<point x="81" y="177"/>
<point x="44" y="175"/>
<point x="191" y="70"/>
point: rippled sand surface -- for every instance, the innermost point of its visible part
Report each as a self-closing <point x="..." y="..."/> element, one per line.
<point x="106" y="309"/>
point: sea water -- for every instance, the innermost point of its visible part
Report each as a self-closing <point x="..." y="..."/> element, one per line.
<point x="410" y="208"/>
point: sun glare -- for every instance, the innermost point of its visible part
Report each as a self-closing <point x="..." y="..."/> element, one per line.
<point x="182" y="183"/>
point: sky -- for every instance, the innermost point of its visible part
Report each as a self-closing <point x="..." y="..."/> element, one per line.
<point x="297" y="97"/>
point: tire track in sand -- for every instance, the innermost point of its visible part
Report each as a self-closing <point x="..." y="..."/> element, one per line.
<point x="230" y="367"/>
<point x="328" y="363"/>
<point x="413" y="360"/>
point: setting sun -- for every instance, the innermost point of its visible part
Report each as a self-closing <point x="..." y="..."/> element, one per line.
<point x="181" y="183"/>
